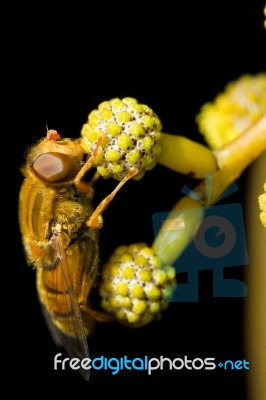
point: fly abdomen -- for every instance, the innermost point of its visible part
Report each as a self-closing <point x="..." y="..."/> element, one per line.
<point x="55" y="297"/>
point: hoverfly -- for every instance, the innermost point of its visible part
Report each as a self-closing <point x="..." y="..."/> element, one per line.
<point x="60" y="237"/>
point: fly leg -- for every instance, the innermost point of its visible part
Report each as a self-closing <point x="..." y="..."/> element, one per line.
<point x="86" y="187"/>
<point x="95" y="220"/>
<point x="96" y="315"/>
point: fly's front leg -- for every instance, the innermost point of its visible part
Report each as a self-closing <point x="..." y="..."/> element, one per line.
<point x="94" y="218"/>
<point x="78" y="182"/>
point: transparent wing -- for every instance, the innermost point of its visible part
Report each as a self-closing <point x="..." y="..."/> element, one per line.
<point x="75" y="347"/>
<point x="60" y="307"/>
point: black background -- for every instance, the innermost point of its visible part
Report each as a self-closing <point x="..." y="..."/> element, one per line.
<point x="61" y="64"/>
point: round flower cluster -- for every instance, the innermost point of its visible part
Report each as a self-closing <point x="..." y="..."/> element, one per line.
<point x="262" y="204"/>
<point x="134" y="286"/>
<point x="131" y="133"/>
<point x="242" y="103"/>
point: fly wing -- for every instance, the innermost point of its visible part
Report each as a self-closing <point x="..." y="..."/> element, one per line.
<point x="61" y="304"/>
<point x="76" y="347"/>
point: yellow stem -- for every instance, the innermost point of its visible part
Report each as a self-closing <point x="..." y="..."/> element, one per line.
<point x="186" y="156"/>
<point x="232" y="159"/>
<point x="238" y="154"/>
<point x="255" y="303"/>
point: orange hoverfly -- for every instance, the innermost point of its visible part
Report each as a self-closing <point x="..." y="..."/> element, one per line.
<point x="60" y="236"/>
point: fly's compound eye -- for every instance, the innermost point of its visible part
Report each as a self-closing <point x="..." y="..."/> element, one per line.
<point x="55" y="167"/>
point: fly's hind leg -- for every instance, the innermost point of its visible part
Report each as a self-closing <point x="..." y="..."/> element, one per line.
<point x="97" y="315"/>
